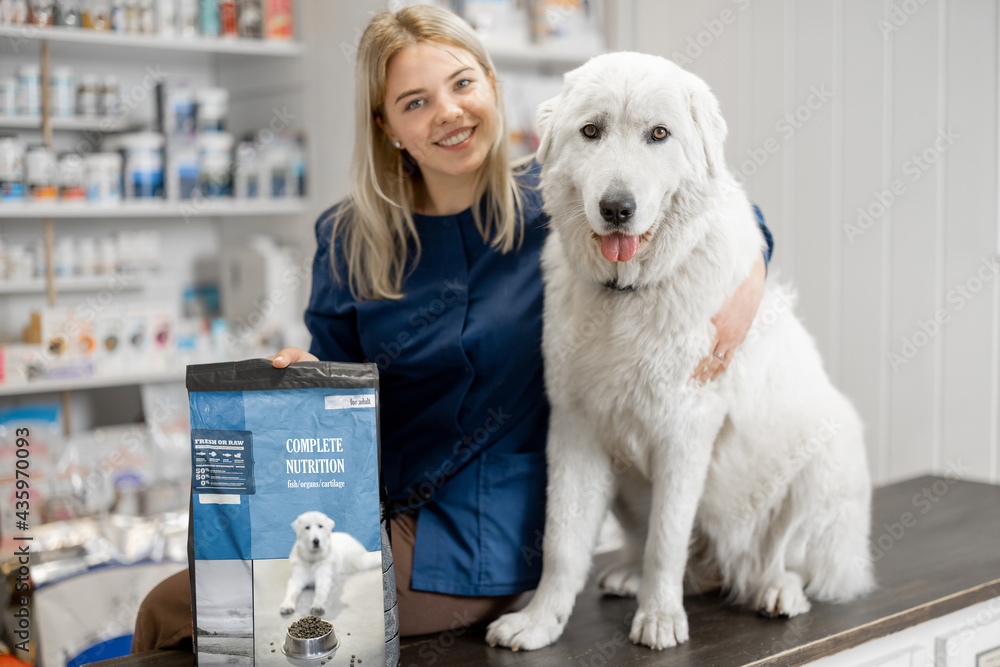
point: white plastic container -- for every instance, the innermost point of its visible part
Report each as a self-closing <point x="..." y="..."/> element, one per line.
<point x="37" y="252"/>
<point x="20" y="264"/>
<point x="275" y="170"/>
<point x="86" y="253"/>
<point x="104" y="175"/>
<point x="107" y="256"/>
<point x="187" y="18"/>
<point x="72" y="178"/>
<point x="182" y="169"/>
<point x="181" y="116"/>
<point x="8" y="97"/>
<point x="29" y="90"/>
<point x="41" y="172"/>
<point x="144" y="175"/>
<point x="215" y="164"/>
<point x="246" y="172"/>
<point x="64" y="256"/>
<point x="11" y="169"/>
<point x="62" y="92"/>
<point x="212" y="108"/>
<point x="143" y="170"/>
<point x="166" y="17"/>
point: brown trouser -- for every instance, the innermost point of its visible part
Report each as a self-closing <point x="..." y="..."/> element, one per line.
<point x="164" y="620"/>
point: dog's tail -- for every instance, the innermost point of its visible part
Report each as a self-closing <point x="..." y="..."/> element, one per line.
<point x="842" y="567"/>
<point x="356" y="559"/>
<point x="370" y="560"/>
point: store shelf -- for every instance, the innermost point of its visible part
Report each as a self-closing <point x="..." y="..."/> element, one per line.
<point x="118" y="281"/>
<point x="72" y="124"/>
<point x="214" y="208"/>
<point x="517" y="51"/>
<point x="42" y="386"/>
<point x="248" y="47"/>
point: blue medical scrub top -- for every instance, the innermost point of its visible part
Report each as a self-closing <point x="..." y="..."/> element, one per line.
<point x="463" y="409"/>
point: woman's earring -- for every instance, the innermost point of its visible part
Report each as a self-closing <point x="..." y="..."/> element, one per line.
<point x="397" y="144"/>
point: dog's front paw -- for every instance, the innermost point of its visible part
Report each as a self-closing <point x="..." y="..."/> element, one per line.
<point x="622" y="579"/>
<point x="784" y="597"/>
<point x="286" y="608"/>
<point x="524" y="630"/>
<point x="659" y="630"/>
<point x="317" y="611"/>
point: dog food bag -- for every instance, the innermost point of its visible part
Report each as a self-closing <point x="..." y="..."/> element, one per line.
<point x="289" y="544"/>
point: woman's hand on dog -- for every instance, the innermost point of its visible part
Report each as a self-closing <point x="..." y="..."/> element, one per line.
<point x="290" y="355"/>
<point x="732" y="324"/>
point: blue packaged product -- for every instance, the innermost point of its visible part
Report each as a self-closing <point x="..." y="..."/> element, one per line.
<point x="289" y="540"/>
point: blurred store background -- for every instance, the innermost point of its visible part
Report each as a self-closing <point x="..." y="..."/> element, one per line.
<point x="158" y="211"/>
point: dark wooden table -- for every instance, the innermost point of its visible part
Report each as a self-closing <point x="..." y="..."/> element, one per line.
<point x="937" y="544"/>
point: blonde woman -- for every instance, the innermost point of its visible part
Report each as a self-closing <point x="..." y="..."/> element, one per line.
<point x="430" y="270"/>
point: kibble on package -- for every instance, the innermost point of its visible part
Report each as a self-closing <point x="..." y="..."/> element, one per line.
<point x="289" y="541"/>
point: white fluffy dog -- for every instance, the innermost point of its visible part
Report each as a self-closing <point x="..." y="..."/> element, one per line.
<point x="764" y="469"/>
<point x="322" y="559"/>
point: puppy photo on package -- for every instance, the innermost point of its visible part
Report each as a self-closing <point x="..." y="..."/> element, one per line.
<point x="290" y="557"/>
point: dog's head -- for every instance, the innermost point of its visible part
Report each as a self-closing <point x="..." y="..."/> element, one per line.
<point x="630" y="139"/>
<point x="312" y="531"/>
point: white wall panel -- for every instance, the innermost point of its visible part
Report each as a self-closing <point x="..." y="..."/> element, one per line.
<point x="863" y="371"/>
<point x="808" y="190"/>
<point x="912" y="197"/>
<point x="969" y="236"/>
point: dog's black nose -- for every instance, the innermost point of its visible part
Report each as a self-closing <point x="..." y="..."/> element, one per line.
<point x="617" y="208"/>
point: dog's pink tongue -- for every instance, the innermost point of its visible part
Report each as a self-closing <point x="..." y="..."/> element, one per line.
<point x="619" y="248"/>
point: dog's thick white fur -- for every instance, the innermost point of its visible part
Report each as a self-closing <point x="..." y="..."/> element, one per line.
<point x="763" y="469"/>
<point x="322" y="559"/>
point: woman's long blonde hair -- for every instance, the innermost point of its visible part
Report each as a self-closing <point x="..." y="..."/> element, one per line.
<point x="375" y="223"/>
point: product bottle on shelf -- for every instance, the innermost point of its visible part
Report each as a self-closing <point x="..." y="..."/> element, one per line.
<point x="62" y="92"/>
<point x="67" y="13"/>
<point x="209" y="18"/>
<point x="279" y="20"/>
<point x="187" y="18"/>
<point x="41" y="12"/>
<point x="11" y="169"/>
<point x="166" y="17"/>
<point x="72" y="181"/>
<point x="87" y="96"/>
<point x="8" y="96"/>
<point x="251" y="19"/>
<point x="13" y="12"/>
<point x="96" y="14"/>
<point x="227" y="19"/>
<point x="29" y="90"/>
<point x="41" y="174"/>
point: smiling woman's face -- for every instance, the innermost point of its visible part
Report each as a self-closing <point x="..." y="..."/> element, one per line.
<point x="441" y="106"/>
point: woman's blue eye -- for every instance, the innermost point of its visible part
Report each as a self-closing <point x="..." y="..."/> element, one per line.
<point x="414" y="104"/>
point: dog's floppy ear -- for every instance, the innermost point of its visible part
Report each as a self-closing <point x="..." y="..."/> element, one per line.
<point x="543" y="119"/>
<point x="709" y="124"/>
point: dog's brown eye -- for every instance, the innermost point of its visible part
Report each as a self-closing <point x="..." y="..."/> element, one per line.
<point x="660" y="133"/>
<point x="590" y="131"/>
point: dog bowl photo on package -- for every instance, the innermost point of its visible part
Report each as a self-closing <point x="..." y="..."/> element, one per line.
<point x="311" y="638"/>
